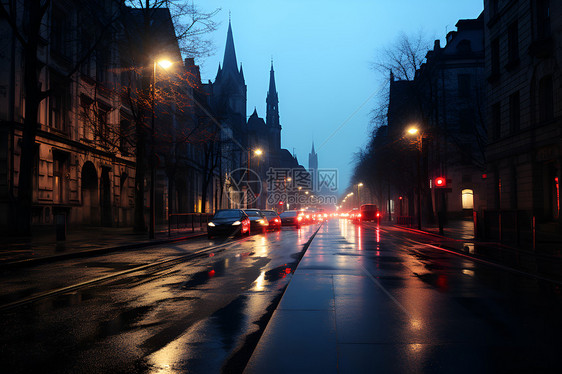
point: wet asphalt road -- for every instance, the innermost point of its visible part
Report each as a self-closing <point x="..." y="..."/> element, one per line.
<point x="196" y="316"/>
<point x="394" y="301"/>
<point x="370" y="300"/>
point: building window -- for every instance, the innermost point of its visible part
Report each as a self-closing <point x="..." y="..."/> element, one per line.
<point x="513" y="44"/>
<point x="496" y="121"/>
<point x="464" y="85"/>
<point x="546" y="99"/>
<point x="464" y="46"/>
<point x="543" y="19"/>
<point x="101" y="65"/>
<point x="125" y="134"/>
<point x="59" y="102"/>
<point x="85" y="53"/>
<point x="465" y="121"/>
<point x="514" y="113"/>
<point x="495" y="55"/>
<point x="467" y="199"/>
<point x="86" y="117"/>
<point x="60" y="32"/>
<point x="102" y="124"/>
<point x="60" y="177"/>
<point x="494" y="7"/>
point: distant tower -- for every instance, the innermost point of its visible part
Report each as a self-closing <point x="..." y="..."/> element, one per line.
<point x="272" y="114"/>
<point x="312" y="160"/>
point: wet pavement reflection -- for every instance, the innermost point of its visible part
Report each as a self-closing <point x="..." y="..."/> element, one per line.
<point x="367" y="299"/>
<point x="190" y="317"/>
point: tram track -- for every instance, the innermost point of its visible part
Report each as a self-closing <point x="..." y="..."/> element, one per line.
<point x="98" y="280"/>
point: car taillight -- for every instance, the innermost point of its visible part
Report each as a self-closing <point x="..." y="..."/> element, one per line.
<point x="299" y="218"/>
<point x="359" y="215"/>
<point x="276" y="220"/>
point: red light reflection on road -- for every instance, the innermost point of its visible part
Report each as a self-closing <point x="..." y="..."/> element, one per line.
<point x="360" y="238"/>
<point x="442" y="282"/>
<point x="378" y="233"/>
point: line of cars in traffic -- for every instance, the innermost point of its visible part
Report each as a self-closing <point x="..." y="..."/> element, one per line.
<point x="367" y="212"/>
<point x="246" y="221"/>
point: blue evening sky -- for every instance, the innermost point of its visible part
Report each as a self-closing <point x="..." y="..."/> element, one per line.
<point x="323" y="51"/>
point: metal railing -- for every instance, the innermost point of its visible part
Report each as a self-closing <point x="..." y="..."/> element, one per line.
<point x="404" y="220"/>
<point x="190" y="222"/>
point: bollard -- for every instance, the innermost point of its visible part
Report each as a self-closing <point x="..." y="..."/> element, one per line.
<point x="60" y="226"/>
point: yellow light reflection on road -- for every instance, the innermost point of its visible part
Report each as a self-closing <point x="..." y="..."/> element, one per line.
<point x="259" y="282"/>
<point x="416" y="324"/>
<point x="468" y="272"/>
<point x="262" y="247"/>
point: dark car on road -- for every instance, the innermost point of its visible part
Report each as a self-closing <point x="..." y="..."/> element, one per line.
<point x="258" y="222"/>
<point x="291" y="218"/>
<point x="369" y="212"/>
<point x="229" y="222"/>
<point x="273" y="219"/>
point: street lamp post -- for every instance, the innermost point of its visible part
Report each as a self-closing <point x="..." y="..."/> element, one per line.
<point x="165" y="64"/>
<point x="359" y="185"/>
<point x="413" y="131"/>
<point x="258" y="152"/>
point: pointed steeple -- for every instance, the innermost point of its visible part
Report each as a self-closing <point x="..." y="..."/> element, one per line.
<point x="312" y="160"/>
<point x="272" y="89"/>
<point x="229" y="63"/>
<point x="272" y="101"/>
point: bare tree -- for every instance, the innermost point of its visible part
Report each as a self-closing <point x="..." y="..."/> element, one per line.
<point x="147" y="22"/>
<point x="404" y="56"/>
<point x="29" y="23"/>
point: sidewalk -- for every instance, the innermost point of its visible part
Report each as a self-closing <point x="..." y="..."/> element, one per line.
<point x="42" y="246"/>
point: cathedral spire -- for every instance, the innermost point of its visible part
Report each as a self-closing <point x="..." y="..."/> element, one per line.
<point x="272" y="101"/>
<point x="312" y="160"/>
<point x="272" y="89"/>
<point x="229" y="62"/>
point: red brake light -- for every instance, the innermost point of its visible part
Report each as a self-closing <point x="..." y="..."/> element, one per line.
<point x="299" y="218"/>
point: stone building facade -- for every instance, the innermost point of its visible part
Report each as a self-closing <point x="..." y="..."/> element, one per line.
<point x="524" y="112"/>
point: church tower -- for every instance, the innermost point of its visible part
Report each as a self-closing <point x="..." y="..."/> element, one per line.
<point x="272" y="113"/>
<point x="312" y="161"/>
<point x="229" y="88"/>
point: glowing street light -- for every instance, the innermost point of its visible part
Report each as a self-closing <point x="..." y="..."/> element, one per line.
<point x="414" y="131"/>
<point x="165" y="64"/>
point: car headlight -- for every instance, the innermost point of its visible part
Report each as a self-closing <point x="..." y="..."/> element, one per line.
<point x="236" y="223"/>
<point x="211" y="224"/>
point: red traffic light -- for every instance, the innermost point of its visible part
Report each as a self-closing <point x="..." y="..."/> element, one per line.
<point x="440" y="182"/>
<point x="280" y="203"/>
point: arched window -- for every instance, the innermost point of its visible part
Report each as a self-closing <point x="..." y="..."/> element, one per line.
<point x="467" y="199"/>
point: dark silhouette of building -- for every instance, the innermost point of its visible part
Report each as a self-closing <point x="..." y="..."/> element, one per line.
<point x="524" y="155"/>
<point x="243" y="138"/>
